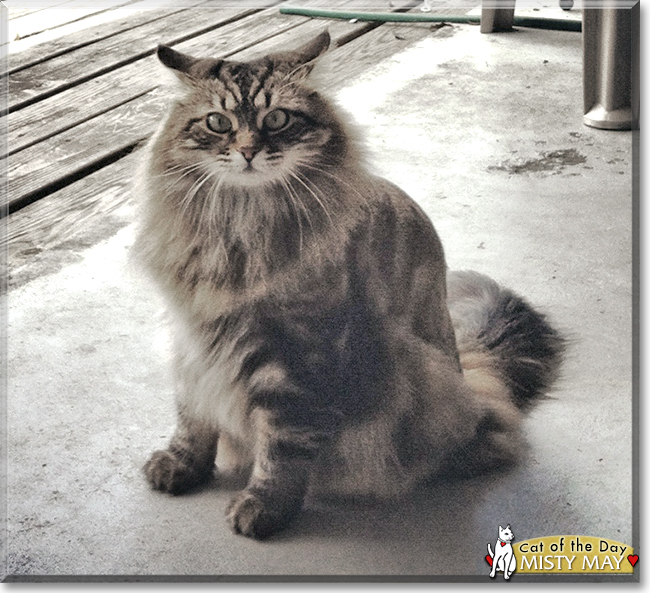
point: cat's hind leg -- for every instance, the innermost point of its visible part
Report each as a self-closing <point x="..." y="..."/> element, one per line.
<point x="491" y="554"/>
<point x="497" y="442"/>
<point x="187" y="462"/>
<point x="493" y="572"/>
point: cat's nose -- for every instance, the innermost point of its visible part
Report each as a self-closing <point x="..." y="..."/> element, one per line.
<point x="249" y="152"/>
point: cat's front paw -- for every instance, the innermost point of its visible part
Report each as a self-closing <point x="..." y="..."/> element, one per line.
<point x="168" y="473"/>
<point x="250" y="515"/>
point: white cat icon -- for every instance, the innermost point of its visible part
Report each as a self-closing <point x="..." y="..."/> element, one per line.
<point x="503" y="557"/>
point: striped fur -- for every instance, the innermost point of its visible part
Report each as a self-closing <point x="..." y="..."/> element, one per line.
<point x="314" y="343"/>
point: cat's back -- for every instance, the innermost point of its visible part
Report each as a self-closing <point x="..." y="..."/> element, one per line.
<point x="399" y="233"/>
<point x="402" y="262"/>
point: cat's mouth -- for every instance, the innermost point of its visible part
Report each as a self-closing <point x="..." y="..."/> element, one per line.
<point x="247" y="165"/>
<point x="247" y="175"/>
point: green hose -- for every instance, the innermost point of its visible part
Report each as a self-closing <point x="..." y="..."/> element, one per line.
<point x="397" y="17"/>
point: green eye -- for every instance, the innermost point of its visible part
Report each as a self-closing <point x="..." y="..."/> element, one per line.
<point x="276" y="120"/>
<point x="218" y="123"/>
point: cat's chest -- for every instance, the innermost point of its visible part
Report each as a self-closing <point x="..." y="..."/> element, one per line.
<point x="205" y="293"/>
<point x="209" y="389"/>
<point x="503" y="548"/>
<point x="194" y="283"/>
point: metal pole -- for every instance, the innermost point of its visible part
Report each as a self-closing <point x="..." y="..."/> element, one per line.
<point x="610" y="67"/>
<point x="497" y="15"/>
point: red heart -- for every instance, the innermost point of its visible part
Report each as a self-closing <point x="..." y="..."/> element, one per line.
<point x="633" y="559"/>
<point x="503" y="544"/>
<point x="489" y="559"/>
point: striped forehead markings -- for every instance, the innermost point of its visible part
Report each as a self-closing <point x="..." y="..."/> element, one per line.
<point x="229" y="102"/>
<point x="238" y="82"/>
<point x="234" y="90"/>
<point x="257" y="93"/>
<point x="262" y="99"/>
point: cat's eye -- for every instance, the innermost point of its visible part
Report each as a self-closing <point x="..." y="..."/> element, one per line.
<point x="276" y="120"/>
<point x="218" y="123"/>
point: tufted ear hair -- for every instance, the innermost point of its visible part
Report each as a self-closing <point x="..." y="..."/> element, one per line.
<point x="299" y="63"/>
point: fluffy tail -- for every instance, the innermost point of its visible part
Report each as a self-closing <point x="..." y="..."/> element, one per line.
<point x="498" y="330"/>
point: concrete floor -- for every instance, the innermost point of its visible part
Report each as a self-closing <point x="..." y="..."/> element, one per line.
<point x="485" y="131"/>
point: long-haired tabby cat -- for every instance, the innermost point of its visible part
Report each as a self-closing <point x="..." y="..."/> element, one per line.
<point x="319" y="339"/>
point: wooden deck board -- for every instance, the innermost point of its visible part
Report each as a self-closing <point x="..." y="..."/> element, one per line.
<point x="44" y="20"/>
<point x="49" y="234"/>
<point x="134" y="16"/>
<point x="73" y="29"/>
<point x="15" y="13"/>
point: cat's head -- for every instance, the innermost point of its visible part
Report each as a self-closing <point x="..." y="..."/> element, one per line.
<point x="505" y="534"/>
<point x="250" y="123"/>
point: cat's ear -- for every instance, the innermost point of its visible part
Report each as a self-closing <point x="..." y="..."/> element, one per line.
<point x="188" y="69"/>
<point x="299" y="63"/>
<point x="175" y="60"/>
<point x="317" y="46"/>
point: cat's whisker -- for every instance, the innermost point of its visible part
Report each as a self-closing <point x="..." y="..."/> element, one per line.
<point x="294" y="205"/>
<point x="180" y="181"/>
<point x="215" y="202"/>
<point x="188" y="201"/>
<point x="191" y="193"/>
<point x="208" y="205"/>
<point x="298" y="206"/>
<point x="299" y="179"/>
<point x="304" y="208"/>
<point x="336" y="178"/>
<point x="179" y="175"/>
<point x="193" y="188"/>
<point x="302" y="205"/>
<point x="174" y="171"/>
<point x="202" y="220"/>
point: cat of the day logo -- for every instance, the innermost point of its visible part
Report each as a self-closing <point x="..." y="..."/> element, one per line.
<point x="503" y="558"/>
<point x="559" y="554"/>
